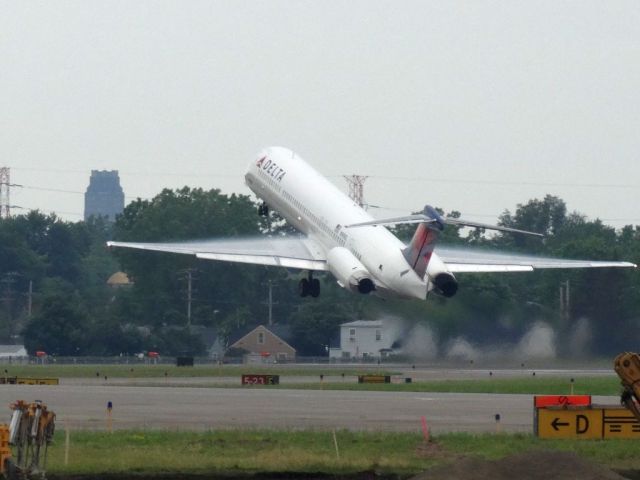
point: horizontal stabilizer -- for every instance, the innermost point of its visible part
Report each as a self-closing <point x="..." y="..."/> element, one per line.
<point x="465" y="223"/>
<point x="430" y="216"/>
<point x="419" y="218"/>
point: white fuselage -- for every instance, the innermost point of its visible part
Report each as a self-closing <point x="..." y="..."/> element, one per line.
<point x="316" y="207"/>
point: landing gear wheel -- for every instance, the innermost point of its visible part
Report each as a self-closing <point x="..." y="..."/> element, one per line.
<point x="314" y="289"/>
<point x="304" y="287"/>
<point x="263" y="210"/>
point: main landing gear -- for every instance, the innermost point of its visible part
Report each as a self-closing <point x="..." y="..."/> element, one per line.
<point x="309" y="286"/>
<point x="263" y="210"/>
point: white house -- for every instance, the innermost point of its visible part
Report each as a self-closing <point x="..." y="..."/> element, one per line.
<point x="12" y="353"/>
<point x="362" y="339"/>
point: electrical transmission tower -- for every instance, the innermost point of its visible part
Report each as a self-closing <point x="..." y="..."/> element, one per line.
<point x="356" y="188"/>
<point x="5" y="183"/>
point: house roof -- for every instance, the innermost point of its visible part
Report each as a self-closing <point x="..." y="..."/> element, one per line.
<point x="363" y="323"/>
<point x="269" y="329"/>
<point x="282" y="331"/>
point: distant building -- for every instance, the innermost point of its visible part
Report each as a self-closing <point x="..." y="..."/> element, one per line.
<point x="262" y="344"/>
<point x="214" y="342"/>
<point x="118" y="280"/>
<point x="13" y="353"/>
<point x="104" y="196"/>
<point x="362" y="339"/>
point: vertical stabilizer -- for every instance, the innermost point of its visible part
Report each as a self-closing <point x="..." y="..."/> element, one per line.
<point x="419" y="251"/>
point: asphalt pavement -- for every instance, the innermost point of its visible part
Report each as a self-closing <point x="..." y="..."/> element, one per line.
<point x="80" y="405"/>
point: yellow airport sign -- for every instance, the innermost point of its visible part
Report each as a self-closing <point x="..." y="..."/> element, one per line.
<point x="599" y="422"/>
<point x="28" y="381"/>
<point x="374" y="379"/>
<point x="620" y="423"/>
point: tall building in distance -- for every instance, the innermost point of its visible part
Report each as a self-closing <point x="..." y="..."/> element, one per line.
<point x="104" y="196"/>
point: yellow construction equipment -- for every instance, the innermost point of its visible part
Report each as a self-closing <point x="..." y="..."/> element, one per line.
<point x="30" y="433"/>
<point x="5" y="450"/>
<point x="627" y="366"/>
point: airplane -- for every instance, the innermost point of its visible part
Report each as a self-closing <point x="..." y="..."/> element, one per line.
<point x="342" y="238"/>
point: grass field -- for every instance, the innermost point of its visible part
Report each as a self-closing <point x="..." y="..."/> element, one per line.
<point x="521" y="385"/>
<point x="518" y="385"/>
<point x="236" y="452"/>
<point x="245" y="452"/>
<point x="333" y="380"/>
<point x="158" y="371"/>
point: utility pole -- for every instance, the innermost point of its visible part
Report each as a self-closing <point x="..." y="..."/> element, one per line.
<point x="189" y="276"/>
<point x="8" y="280"/>
<point x="565" y="302"/>
<point x="270" y="303"/>
<point x="30" y="299"/>
<point x="189" y="297"/>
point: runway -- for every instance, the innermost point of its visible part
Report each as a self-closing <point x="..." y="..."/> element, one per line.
<point x="187" y="408"/>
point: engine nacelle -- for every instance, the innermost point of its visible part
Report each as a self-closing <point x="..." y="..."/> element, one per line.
<point x="443" y="283"/>
<point x="349" y="271"/>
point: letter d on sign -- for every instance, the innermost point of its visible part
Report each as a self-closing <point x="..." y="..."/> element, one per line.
<point x="582" y="424"/>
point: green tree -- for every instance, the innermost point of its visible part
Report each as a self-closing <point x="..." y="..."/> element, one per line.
<point x="160" y="289"/>
<point x="540" y="216"/>
<point x="59" y="328"/>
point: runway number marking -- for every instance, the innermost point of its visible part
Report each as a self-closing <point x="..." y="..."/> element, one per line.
<point x="591" y="423"/>
<point x="249" y="379"/>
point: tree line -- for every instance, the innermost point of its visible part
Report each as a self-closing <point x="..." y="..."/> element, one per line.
<point x="54" y="294"/>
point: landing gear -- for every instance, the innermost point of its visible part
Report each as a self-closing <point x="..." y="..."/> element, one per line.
<point x="309" y="286"/>
<point x="263" y="210"/>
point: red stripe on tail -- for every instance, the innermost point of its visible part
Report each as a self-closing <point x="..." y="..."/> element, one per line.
<point x="419" y="251"/>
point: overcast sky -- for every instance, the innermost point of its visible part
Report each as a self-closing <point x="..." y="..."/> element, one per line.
<point x="469" y="105"/>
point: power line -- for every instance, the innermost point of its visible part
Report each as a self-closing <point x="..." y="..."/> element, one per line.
<point x="73" y="192"/>
<point x="384" y="177"/>
<point x="133" y="173"/>
<point x="499" y="182"/>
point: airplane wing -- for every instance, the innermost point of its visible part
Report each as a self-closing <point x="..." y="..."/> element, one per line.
<point x="289" y="252"/>
<point x="463" y="260"/>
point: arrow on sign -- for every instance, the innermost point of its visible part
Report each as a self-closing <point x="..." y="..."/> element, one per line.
<point x="557" y="423"/>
